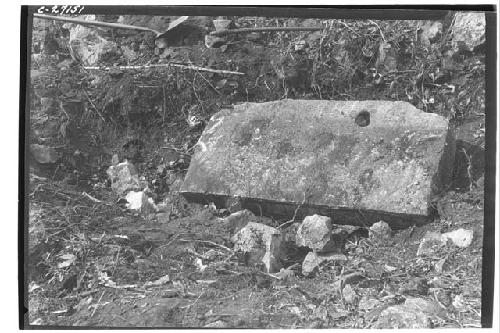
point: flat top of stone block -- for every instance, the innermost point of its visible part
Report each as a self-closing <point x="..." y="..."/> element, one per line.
<point x="377" y="155"/>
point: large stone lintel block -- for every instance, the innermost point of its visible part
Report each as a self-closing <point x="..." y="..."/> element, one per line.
<point x="355" y="161"/>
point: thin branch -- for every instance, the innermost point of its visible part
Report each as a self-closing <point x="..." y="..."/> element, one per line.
<point x="207" y="242"/>
<point x="190" y="67"/>
<point x="263" y="29"/>
<point x="93" y="105"/>
<point x="294" y="213"/>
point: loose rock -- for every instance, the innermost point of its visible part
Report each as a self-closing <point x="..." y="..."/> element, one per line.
<point x="261" y="243"/>
<point x="140" y="201"/>
<point x="366" y="304"/>
<point x="414" y="313"/>
<point x="460" y="237"/>
<point x="313" y="260"/>
<point x="315" y="233"/>
<point x="380" y="231"/>
<point x="124" y="177"/>
<point x="350" y="296"/>
<point x="86" y="45"/>
<point x="430" y="32"/>
<point x="433" y="241"/>
<point x="468" y="30"/>
<point x="430" y="243"/>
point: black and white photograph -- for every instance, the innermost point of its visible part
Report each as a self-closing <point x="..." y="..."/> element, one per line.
<point x="257" y="167"/>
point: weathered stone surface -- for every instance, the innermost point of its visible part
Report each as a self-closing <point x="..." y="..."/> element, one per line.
<point x="273" y="155"/>
<point x="313" y="260"/>
<point x="124" y="177"/>
<point x="261" y="243"/>
<point x="315" y="232"/>
<point x="44" y="154"/>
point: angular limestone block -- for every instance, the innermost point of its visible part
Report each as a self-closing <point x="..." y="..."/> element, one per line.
<point x="351" y="160"/>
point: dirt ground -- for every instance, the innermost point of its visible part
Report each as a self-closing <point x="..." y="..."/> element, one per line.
<point x="94" y="263"/>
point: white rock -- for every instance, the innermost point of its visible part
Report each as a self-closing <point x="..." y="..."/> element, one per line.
<point x="315" y="232"/>
<point x="140" y="201"/>
<point x="262" y="244"/>
<point x="349" y="294"/>
<point x="460" y="237"/>
<point x="313" y="260"/>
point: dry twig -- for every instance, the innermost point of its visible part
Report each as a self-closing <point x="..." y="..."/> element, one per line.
<point x="188" y="67"/>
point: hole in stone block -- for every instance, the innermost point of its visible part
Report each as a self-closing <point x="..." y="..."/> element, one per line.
<point x="362" y="118"/>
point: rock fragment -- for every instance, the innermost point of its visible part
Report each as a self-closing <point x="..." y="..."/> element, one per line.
<point x="460" y="237"/>
<point x="430" y="32"/>
<point x="141" y="202"/>
<point x="315" y="233"/>
<point x="124" y="177"/>
<point x="468" y="30"/>
<point x="313" y="260"/>
<point x="430" y="243"/>
<point x="433" y="241"/>
<point x="413" y="313"/>
<point x="380" y="231"/>
<point x="261" y="244"/>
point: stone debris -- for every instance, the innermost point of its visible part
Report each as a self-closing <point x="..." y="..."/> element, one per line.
<point x="381" y="159"/>
<point x="86" y="45"/>
<point x="350" y="278"/>
<point x="124" y="177"/>
<point x="413" y="313"/>
<point x="433" y="241"/>
<point x="314" y="260"/>
<point x="44" y="154"/>
<point x="430" y="243"/>
<point x="367" y="304"/>
<point x="430" y="32"/>
<point x="315" y="233"/>
<point x="141" y="202"/>
<point x="261" y="243"/>
<point x="460" y="237"/>
<point x="349" y="295"/>
<point x="380" y="231"/>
